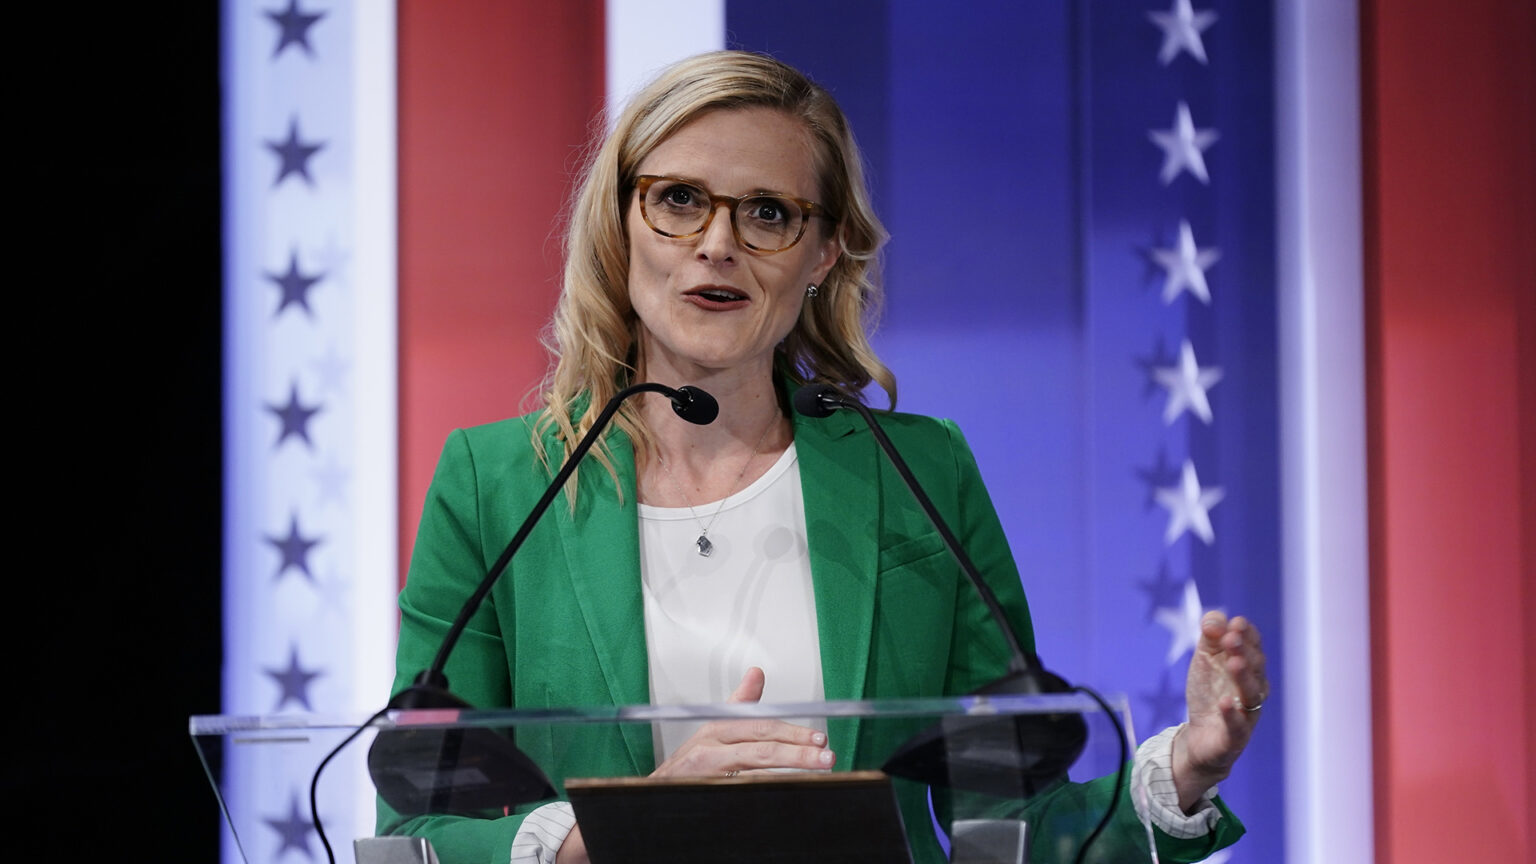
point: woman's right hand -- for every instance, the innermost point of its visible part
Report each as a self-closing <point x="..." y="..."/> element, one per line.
<point x="727" y="747"/>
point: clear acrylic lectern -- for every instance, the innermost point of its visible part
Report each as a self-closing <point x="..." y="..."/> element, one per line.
<point x="1014" y="778"/>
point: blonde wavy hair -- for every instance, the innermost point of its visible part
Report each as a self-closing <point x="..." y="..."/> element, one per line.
<point x="594" y="332"/>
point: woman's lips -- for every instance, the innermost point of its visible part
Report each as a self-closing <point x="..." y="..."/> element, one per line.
<point x="716" y="297"/>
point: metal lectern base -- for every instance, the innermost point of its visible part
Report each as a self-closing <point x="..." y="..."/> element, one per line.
<point x="394" y="850"/>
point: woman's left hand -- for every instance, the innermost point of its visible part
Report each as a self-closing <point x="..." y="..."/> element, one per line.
<point x="1225" y="692"/>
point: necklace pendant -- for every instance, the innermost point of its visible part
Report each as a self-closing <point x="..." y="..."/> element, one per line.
<point x="705" y="547"/>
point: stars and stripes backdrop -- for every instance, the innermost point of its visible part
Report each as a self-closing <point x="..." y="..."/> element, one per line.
<point x="1081" y="198"/>
<point x="309" y="393"/>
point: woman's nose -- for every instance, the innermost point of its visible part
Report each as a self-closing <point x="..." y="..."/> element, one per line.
<point x="718" y="242"/>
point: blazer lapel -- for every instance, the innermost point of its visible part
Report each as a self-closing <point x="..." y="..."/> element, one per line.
<point x="602" y="553"/>
<point x="839" y="485"/>
<point x="838" y="481"/>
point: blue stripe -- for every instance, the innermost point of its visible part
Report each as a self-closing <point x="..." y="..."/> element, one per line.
<point x="1009" y="155"/>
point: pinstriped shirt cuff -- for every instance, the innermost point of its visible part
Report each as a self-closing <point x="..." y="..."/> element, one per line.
<point x="542" y="833"/>
<point x="1157" y="799"/>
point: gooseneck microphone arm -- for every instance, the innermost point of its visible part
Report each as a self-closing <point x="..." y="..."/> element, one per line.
<point x="820" y="400"/>
<point x="1007" y="756"/>
<point x="430" y="769"/>
<point x="430" y="688"/>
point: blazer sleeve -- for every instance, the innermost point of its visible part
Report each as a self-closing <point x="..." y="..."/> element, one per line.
<point x="448" y="562"/>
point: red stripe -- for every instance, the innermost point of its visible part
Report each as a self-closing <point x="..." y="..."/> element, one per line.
<point x="1451" y="281"/>
<point x="495" y="98"/>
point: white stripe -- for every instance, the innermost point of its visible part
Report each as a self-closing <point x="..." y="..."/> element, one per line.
<point x="342" y="227"/>
<point x="375" y="501"/>
<point x="645" y="35"/>
<point x="1326" y="640"/>
<point x="375" y="438"/>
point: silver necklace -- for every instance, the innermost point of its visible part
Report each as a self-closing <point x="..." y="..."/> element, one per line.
<point x="703" y="543"/>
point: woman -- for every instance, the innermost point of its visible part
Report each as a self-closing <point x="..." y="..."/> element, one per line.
<point x="723" y="238"/>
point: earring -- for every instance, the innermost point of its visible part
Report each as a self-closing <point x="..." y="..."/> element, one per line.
<point x="812" y="291"/>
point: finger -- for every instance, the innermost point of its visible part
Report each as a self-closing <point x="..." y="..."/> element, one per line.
<point x="1243" y="691"/>
<point x="1241" y="633"/>
<point x="1238" y="721"/>
<point x="1249" y="631"/>
<point x="1213" y="627"/>
<point x="1252" y="687"/>
<point x="1246" y="662"/>
<point x="763" y="755"/>
<point x="733" y="746"/>
<point x="765" y="730"/>
<point x="751" y="687"/>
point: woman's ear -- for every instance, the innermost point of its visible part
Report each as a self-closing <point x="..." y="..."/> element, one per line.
<point x="829" y="251"/>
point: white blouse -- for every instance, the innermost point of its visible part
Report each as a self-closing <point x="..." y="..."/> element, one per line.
<point x="748" y="603"/>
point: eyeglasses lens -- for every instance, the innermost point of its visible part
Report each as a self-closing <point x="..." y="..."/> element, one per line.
<point x="765" y="222"/>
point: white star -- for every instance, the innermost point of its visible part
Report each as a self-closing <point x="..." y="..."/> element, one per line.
<point x="1185" y="266"/>
<point x="1183" y="623"/>
<point x="331" y="478"/>
<point x="1184" y="146"/>
<point x="1189" y="506"/>
<point x="335" y="594"/>
<point x="1182" y="27"/>
<point x="331" y="372"/>
<point x="1187" y="384"/>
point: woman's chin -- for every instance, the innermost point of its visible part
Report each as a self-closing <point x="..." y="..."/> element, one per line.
<point x="712" y="359"/>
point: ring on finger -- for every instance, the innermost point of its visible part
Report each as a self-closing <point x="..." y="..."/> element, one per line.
<point x="1238" y="701"/>
<point x="732" y="773"/>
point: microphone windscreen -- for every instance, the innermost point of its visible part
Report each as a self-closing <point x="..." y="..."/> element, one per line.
<point x="695" y="406"/>
<point x="816" y="400"/>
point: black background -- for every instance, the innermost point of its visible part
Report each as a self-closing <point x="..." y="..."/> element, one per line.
<point x="115" y="455"/>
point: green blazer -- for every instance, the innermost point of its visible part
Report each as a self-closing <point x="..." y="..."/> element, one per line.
<point x="564" y="625"/>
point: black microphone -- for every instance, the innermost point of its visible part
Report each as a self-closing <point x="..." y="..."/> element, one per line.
<point x="460" y="770"/>
<point x="1008" y="759"/>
